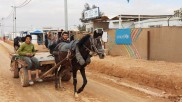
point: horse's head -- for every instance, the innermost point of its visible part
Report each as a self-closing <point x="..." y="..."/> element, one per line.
<point x="94" y="46"/>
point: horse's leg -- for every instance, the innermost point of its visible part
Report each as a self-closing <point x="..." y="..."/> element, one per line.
<point x="82" y="71"/>
<point x="75" y="81"/>
<point x="60" y="75"/>
<point x="56" y="79"/>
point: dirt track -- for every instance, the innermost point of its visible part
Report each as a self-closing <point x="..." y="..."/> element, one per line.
<point x="158" y="74"/>
<point x="97" y="90"/>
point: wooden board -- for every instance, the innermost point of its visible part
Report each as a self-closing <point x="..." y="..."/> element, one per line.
<point x="43" y="57"/>
<point x="46" y="62"/>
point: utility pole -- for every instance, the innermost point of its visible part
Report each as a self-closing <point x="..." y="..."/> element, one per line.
<point x="139" y="19"/>
<point x="1" y="30"/>
<point x="13" y="34"/>
<point x="2" y="24"/>
<point x="120" y="20"/>
<point x="15" y="19"/>
<point x="66" y="15"/>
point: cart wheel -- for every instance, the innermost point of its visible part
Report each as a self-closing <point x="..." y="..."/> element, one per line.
<point x="66" y="76"/>
<point x="16" y="71"/>
<point x="64" y="73"/>
<point x="24" y="77"/>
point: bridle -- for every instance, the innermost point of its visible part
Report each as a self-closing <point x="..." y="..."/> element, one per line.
<point x="93" y="49"/>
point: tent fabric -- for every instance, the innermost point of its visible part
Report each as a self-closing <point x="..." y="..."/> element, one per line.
<point x="36" y="32"/>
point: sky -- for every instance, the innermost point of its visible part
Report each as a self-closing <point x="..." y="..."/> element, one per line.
<point x="50" y="13"/>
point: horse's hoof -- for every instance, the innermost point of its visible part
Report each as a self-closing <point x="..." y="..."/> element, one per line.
<point x="63" y="89"/>
<point x="79" y="91"/>
<point x="76" y="95"/>
<point x="56" y="87"/>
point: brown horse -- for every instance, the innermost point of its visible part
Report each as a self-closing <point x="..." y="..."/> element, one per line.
<point x="78" y="59"/>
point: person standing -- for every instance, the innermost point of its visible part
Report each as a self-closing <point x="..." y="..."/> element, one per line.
<point x="60" y="34"/>
<point x="49" y="37"/>
<point x="27" y="52"/>
<point x="72" y="36"/>
<point x="4" y="38"/>
<point x="46" y="40"/>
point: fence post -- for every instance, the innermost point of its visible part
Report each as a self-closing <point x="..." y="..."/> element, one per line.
<point x="148" y="45"/>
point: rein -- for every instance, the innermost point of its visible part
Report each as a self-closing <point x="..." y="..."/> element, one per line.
<point x="93" y="48"/>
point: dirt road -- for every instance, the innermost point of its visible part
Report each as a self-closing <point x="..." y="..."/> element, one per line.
<point x="95" y="91"/>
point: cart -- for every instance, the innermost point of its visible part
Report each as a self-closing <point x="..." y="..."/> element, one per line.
<point x="47" y="67"/>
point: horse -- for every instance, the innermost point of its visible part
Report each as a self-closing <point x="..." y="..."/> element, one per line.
<point x="86" y="48"/>
<point x="17" y="41"/>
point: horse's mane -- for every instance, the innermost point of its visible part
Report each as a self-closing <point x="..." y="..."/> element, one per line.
<point x="83" y="40"/>
<point x="52" y="47"/>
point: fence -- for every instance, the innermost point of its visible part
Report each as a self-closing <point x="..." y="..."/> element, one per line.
<point x="151" y="43"/>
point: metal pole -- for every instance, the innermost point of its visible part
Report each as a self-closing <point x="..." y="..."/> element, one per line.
<point x="1" y="25"/>
<point x="148" y="45"/>
<point x="139" y="19"/>
<point x="15" y="21"/>
<point x="1" y="29"/>
<point x="66" y="15"/>
<point x="119" y="21"/>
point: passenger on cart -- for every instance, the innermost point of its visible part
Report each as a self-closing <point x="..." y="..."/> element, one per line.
<point x="27" y="52"/>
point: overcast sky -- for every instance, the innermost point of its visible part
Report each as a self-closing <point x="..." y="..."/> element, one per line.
<point x="50" y="13"/>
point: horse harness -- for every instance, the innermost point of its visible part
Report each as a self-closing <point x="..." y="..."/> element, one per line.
<point x="93" y="50"/>
<point x="93" y="46"/>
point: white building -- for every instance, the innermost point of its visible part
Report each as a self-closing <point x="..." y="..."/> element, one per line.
<point x="11" y="36"/>
<point x="97" y="23"/>
<point x="176" y="21"/>
<point x="143" y="21"/>
<point x="114" y="24"/>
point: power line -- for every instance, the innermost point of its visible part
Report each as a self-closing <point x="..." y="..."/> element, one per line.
<point x="14" y="18"/>
<point x="24" y="4"/>
<point x="11" y="13"/>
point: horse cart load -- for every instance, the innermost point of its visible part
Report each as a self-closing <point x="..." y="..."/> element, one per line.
<point x="47" y="67"/>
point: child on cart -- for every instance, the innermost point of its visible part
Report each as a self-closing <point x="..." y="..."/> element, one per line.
<point x="27" y="52"/>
